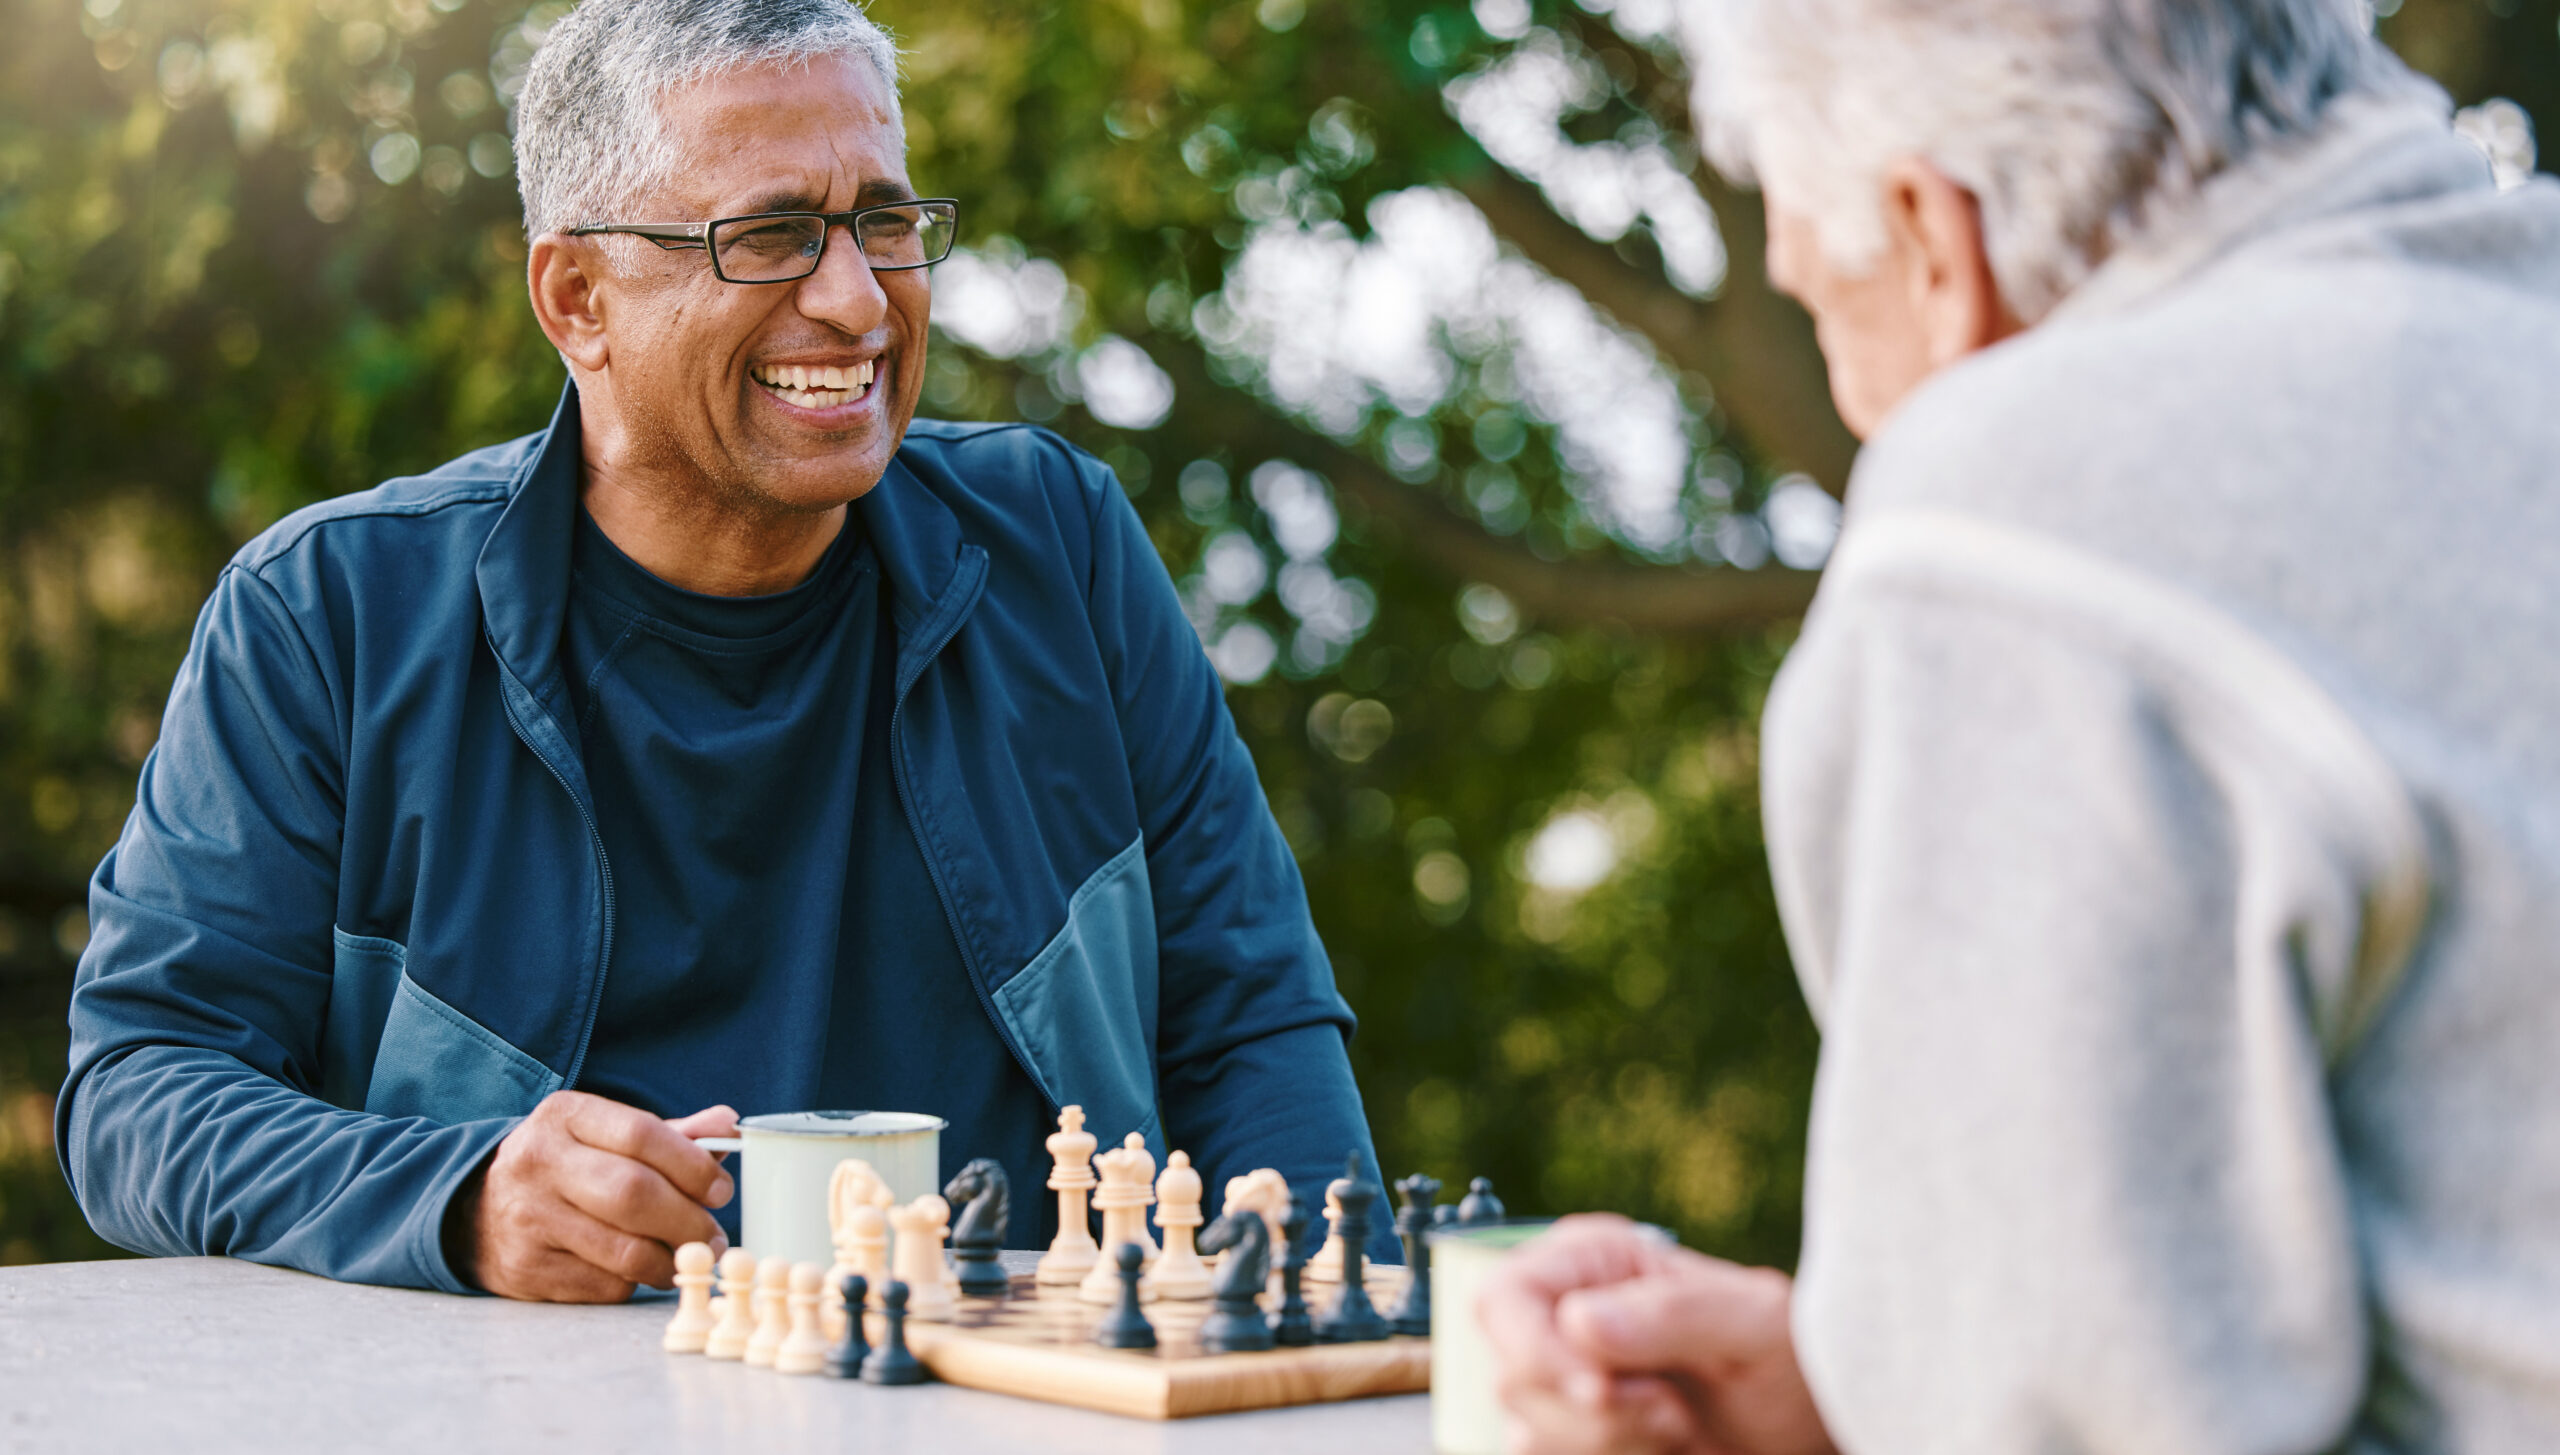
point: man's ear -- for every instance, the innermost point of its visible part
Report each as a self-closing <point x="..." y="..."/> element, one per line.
<point x="563" y="276"/>
<point x="1937" y="225"/>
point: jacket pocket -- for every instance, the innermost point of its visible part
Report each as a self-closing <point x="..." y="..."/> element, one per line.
<point x="1084" y="1010"/>
<point x="364" y="976"/>
<point x="435" y="1062"/>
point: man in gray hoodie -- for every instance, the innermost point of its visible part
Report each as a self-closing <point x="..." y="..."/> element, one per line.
<point x="2164" y="795"/>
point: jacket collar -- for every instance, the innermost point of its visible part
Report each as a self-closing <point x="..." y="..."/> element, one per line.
<point x="523" y="572"/>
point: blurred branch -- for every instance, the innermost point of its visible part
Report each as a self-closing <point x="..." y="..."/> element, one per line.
<point x="1669" y="600"/>
<point x="1755" y="347"/>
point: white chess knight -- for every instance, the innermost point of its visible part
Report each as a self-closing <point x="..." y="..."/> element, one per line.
<point x="921" y="1226"/>
<point x="1128" y="1186"/>
<point x="1179" y="1274"/>
<point x="1073" y="1253"/>
<point x="858" y="1204"/>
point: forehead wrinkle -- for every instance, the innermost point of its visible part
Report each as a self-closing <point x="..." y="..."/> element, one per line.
<point x="728" y="124"/>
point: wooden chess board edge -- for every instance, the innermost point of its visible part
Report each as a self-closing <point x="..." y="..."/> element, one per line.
<point x="1146" y="1387"/>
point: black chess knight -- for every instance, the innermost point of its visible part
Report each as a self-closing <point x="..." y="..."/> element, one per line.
<point x="981" y="1202"/>
<point x="1236" y="1322"/>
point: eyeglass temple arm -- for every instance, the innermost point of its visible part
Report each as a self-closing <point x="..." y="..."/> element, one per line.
<point x="664" y="234"/>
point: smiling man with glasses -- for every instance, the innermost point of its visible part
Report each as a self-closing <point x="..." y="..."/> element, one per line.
<point x="736" y="743"/>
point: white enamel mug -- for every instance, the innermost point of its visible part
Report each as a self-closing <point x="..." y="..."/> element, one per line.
<point x="790" y="1156"/>
<point x="1466" y="1417"/>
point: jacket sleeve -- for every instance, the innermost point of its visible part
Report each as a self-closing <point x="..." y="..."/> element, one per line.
<point x="1252" y="1066"/>
<point x="190" y="1121"/>
<point x="2073" y="926"/>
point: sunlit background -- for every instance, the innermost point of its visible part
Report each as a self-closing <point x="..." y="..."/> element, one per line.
<point x="1445" y="379"/>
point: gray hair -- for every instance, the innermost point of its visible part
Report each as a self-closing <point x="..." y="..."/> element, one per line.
<point x="589" y="135"/>
<point x="2076" y="124"/>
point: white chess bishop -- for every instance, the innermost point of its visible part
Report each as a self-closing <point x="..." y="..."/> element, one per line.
<point x="1179" y="1274"/>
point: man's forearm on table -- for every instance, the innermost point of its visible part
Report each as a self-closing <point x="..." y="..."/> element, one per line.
<point x="179" y="1151"/>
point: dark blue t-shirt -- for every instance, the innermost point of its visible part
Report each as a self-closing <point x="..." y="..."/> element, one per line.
<point x="778" y="941"/>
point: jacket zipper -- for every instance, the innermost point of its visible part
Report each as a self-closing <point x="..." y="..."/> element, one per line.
<point x="604" y="878"/>
<point x="950" y="916"/>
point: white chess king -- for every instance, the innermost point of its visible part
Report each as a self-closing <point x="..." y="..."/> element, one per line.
<point x="1072" y="1254"/>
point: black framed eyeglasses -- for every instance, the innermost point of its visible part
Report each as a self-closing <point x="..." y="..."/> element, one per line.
<point x="781" y="247"/>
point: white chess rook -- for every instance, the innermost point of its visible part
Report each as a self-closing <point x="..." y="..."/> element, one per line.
<point x="1267" y="1192"/>
<point x="1073" y="1253"/>
<point x="921" y="1226"/>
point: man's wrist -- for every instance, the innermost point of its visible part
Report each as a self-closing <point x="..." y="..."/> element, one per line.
<point x="461" y="1232"/>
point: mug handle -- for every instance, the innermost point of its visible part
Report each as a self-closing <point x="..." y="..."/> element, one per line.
<point x="720" y="1144"/>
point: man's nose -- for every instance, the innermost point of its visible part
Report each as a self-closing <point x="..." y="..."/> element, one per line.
<point x="844" y="291"/>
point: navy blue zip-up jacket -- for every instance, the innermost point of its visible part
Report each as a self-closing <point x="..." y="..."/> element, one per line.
<point x="360" y="920"/>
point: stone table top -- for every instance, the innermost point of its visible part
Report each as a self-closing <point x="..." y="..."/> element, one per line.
<point x="216" y="1356"/>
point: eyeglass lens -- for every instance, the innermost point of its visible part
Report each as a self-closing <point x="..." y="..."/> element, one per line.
<point x="775" y="249"/>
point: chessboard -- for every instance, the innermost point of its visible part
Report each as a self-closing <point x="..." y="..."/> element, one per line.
<point x="1037" y="1344"/>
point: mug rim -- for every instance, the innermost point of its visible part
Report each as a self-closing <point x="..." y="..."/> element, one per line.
<point x="849" y="1124"/>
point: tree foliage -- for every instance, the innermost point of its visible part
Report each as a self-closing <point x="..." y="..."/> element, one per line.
<point x="255" y="253"/>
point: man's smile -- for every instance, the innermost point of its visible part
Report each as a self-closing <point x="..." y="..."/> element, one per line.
<point x="818" y="386"/>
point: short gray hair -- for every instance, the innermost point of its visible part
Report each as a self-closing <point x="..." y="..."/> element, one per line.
<point x="589" y="135"/>
<point x="2075" y="123"/>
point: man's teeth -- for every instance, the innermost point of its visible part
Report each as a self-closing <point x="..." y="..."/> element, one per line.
<point x="817" y="386"/>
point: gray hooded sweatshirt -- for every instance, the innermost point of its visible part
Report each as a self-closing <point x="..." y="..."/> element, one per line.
<point x="2164" y="802"/>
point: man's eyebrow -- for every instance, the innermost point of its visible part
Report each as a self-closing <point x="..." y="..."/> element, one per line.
<point x="872" y="193"/>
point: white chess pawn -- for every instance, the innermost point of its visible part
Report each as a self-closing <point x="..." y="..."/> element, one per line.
<point x="1326" y="1265"/>
<point x="735" y="1323"/>
<point x="1073" y="1253"/>
<point x="804" y="1349"/>
<point x="1179" y="1274"/>
<point x="1128" y="1178"/>
<point x="690" y="1329"/>
<point x="773" y="1310"/>
<point x="921" y="1226"/>
<point x="859" y="1229"/>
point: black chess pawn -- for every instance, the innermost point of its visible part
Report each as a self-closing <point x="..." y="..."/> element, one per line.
<point x="1126" y="1326"/>
<point x="1352" y="1318"/>
<point x="844" y="1358"/>
<point x="1291" y="1328"/>
<point x="890" y="1363"/>
<point x="1413" y="1225"/>
<point x="1480" y="1205"/>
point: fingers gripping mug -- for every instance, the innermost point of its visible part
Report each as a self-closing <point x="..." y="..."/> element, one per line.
<point x="789" y="1156"/>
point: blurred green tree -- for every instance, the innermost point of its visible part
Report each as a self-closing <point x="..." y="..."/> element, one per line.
<point x="1445" y="379"/>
